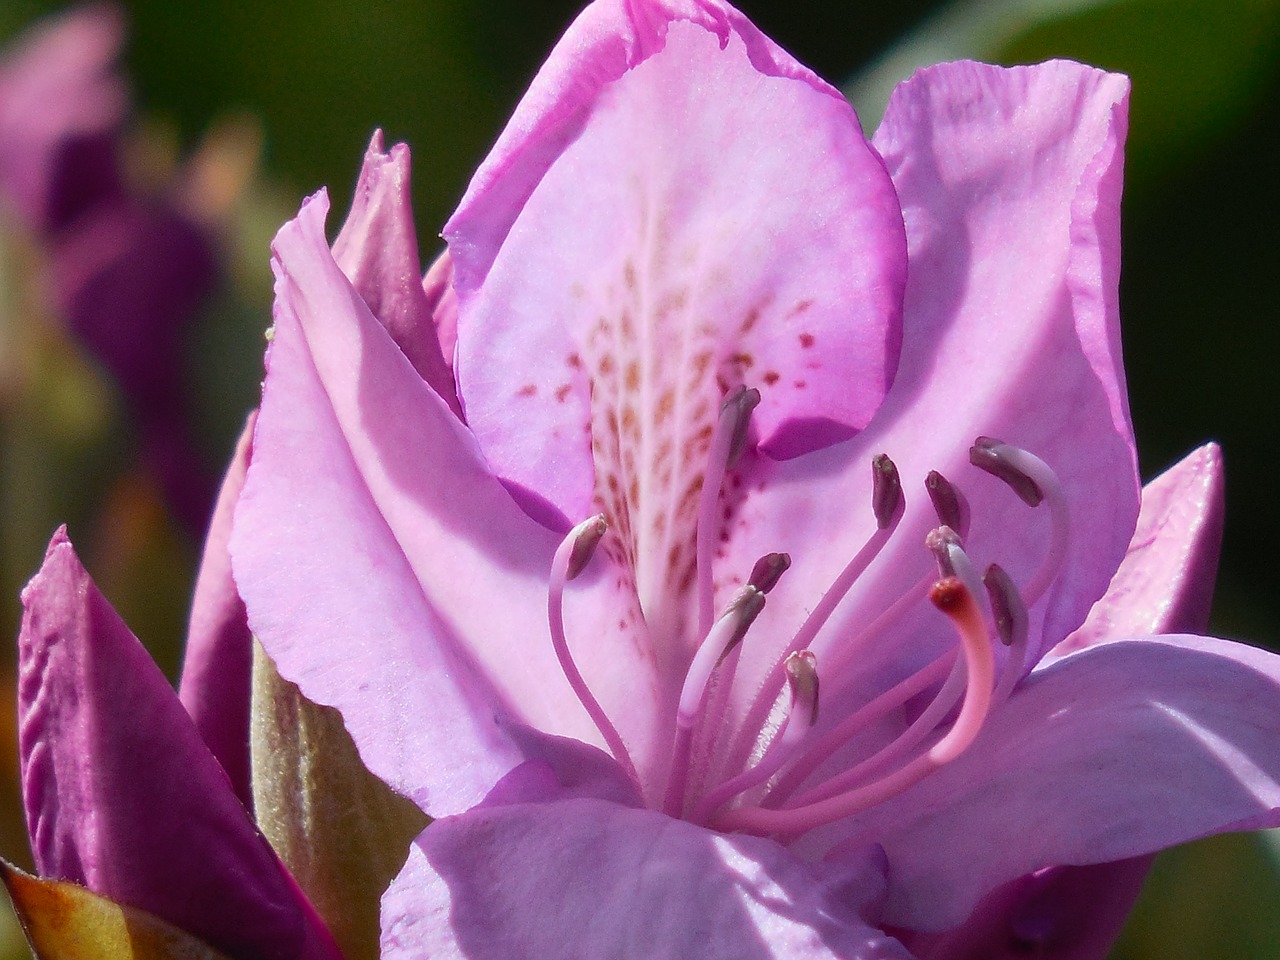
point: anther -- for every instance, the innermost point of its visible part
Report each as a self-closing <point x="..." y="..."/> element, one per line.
<point x="725" y="634"/>
<point x="1035" y="482"/>
<point x="728" y="440"/>
<point x="886" y="490"/>
<point x="948" y="502"/>
<point x="740" y="613"/>
<point x="769" y="570"/>
<point x="585" y="537"/>
<point x="993" y="456"/>
<point x="1006" y="605"/>
<point x="738" y="404"/>
<point x="943" y="542"/>
<point x="948" y="551"/>
<point x="802" y="678"/>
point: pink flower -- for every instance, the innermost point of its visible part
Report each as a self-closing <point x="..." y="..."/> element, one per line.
<point x="710" y="343"/>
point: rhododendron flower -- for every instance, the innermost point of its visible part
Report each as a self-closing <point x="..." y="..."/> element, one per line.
<point x="760" y="576"/>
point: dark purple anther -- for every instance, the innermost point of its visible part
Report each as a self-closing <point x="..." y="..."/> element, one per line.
<point x="886" y="490"/>
<point x="1007" y="606"/>
<point x="742" y="400"/>
<point x="948" y="502"/>
<point x="988" y="454"/>
<point x="769" y="570"/>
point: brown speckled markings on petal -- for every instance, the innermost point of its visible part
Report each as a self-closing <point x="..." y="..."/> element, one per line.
<point x="644" y="279"/>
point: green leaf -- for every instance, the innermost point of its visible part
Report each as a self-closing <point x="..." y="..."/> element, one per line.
<point x="341" y="831"/>
<point x="64" y="921"/>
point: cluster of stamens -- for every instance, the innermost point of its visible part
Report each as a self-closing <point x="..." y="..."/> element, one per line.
<point x="776" y="794"/>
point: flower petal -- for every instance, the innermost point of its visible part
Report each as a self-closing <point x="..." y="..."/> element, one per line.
<point x="123" y="796"/>
<point x="995" y="169"/>
<point x="1113" y="752"/>
<point x="1165" y="583"/>
<point x="688" y="215"/>
<point x="1010" y="184"/>
<point x="377" y="249"/>
<point x="385" y="570"/>
<point x="218" y="661"/>
<point x="584" y="878"/>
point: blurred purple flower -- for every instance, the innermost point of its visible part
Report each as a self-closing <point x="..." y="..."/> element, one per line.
<point x="126" y="272"/>
<point x="681" y="303"/>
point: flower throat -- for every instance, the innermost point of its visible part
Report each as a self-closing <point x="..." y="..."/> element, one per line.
<point x="782" y="792"/>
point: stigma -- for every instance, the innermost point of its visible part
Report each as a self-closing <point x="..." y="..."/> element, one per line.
<point x="806" y="765"/>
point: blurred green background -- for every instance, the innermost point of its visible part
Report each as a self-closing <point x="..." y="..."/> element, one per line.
<point x="1202" y="218"/>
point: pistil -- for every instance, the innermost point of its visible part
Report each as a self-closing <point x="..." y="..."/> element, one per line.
<point x="953" y="598"/>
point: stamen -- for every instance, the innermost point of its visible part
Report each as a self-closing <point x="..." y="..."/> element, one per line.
<point x="953" y="598"/>
<point x="1006" y="605"/>
<point x="948" y="551"/>
<point x="1011" y="618"/>
<point x="948" y="664"/>
<point x="992" y="456"/>
<point x="765" y="574"/>
<point x="808" y="632"/>
<point x="1034" y="481"/>
<point x="571" y="558"/>
<point x="727" y="444"/>
<point x="769" y="570"/>
<point x="725" y="634"/>
<point x="884" y="473"/>
<point x="948" y="503"/>
<point x="886" y="490"/>
<point x="802" y="677"/>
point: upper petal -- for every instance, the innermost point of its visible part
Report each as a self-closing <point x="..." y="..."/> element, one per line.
<point x="385" y="570"/>
<point x="123" y="796"/>
<point x="1113" y="752"/>
<point x="706" y="218"/>
<point x="995" y="169"/>
<point x="587" y="879"/>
